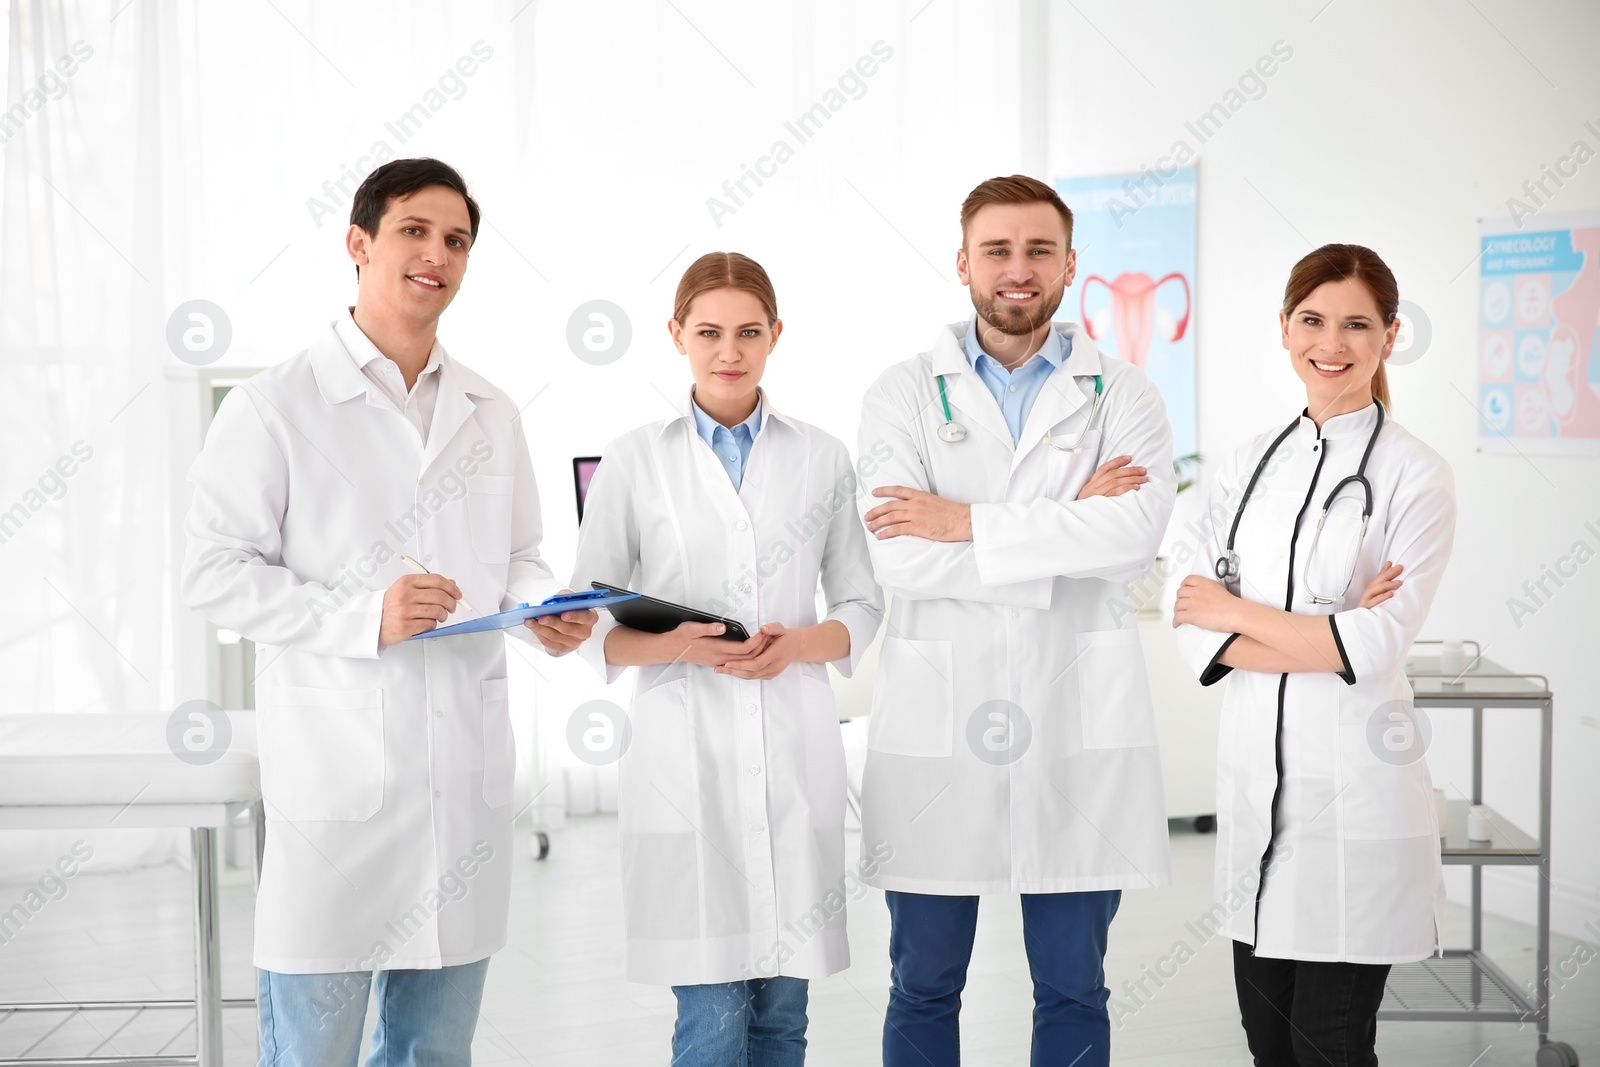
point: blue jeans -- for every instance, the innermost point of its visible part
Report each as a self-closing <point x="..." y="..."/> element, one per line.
<point x="930" y="942"/>
<point x="425" y="1017"/>
<point x="756" y="1023"/>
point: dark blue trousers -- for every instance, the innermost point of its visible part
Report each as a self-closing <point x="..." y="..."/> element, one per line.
<point x="930" y="943"/>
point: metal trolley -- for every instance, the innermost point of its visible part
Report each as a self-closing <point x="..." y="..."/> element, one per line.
<point x="1465" y="985"/>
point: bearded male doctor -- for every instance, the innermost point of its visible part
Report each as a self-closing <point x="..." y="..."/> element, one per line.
<point x="387" y="765"/>
<point x="1012" y="744"/>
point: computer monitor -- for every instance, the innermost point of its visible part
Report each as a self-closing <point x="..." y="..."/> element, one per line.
<point x="583" y="468"/>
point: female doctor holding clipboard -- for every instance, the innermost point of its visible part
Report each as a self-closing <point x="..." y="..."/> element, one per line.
<point x="732" y="788"/>
<point x="1328" y="845"/>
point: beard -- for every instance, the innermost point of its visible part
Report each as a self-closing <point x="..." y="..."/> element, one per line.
<point x="1015" y="321"/>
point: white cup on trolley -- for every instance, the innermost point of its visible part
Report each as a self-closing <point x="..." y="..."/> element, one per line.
<point x="1479" y="828"/>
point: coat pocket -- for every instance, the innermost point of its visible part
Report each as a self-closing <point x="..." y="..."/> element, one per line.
<point x="1387" y="791"/>
<point x="499" y="744"/>
<point x="1114" y="703"/>
<point x="913" y="699"/>
<point x="489" y="503"/>
<point x="1067" y="471"/>
<point x="659" y="773"/>
<point x="321" y="753"/>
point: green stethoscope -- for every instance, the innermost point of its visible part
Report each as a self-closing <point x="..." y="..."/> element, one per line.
<point x="952" y="431"/>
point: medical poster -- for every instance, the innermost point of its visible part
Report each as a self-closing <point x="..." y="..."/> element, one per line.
<point x="1134" y="292"/>
<point x="1538" y="347"/>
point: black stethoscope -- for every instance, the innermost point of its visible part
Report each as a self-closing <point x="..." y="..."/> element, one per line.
<point x="1227" y="568"/>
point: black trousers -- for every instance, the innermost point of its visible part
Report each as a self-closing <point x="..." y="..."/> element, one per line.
<point x="1302" y="1014"/>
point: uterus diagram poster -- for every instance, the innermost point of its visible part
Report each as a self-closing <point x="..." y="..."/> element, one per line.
<point x="1135" y="288"/>
<point x="1538" y="346"/>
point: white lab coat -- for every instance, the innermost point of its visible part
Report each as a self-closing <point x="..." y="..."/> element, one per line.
<point x="388" y="774"/>
<point x="1355" y="872"/>
<point x="732" y="792"/>
<point x="1033" y="611"/>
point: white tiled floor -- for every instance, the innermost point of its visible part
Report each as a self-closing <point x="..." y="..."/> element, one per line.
<point x="556" y="996"/>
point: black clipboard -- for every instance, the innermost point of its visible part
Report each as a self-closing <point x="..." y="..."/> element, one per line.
<point x="658" y="616"/>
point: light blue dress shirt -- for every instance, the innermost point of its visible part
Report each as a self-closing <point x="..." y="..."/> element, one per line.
<point x="732" y="447"/>
<point x="1016" y="390"/>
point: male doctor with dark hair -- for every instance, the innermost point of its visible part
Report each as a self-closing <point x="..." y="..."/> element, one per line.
<point x="387" y="764"/>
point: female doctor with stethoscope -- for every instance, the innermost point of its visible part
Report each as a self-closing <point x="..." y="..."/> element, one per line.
<point x="1328" y="845"/>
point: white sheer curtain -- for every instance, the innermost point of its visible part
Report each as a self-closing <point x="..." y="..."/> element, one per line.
<point x="208" y="150"/>
<point x="93" y="242"/>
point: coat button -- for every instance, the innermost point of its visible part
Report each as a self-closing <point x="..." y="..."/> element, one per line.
<point x="753" y="770"/>
<point x="743" y="525"/>
<point x="437" y="714"/>
<point x="749" y="709"/>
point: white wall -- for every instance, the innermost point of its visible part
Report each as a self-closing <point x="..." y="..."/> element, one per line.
<point x="1396" y="126"/>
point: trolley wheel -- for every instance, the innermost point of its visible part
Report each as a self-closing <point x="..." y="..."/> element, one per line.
<point x="541" y="844"/>
<point x="1556" y="1054"/>
<point x="1204" y="824"/>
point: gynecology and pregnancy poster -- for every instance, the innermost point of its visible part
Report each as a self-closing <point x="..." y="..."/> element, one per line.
<point x="1538" y="346"/>
<point x="1134" y="292"/>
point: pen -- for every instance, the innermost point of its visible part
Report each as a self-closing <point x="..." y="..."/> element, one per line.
<point x="420" y="569"/>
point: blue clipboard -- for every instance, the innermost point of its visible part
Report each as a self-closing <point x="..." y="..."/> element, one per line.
<point x="506" y="620"/>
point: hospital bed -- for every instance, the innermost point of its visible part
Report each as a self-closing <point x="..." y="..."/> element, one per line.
<point x="103" y="772"/>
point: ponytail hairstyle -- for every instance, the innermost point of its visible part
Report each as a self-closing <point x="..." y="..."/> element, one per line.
<point x="724" y="270"/>
<point x="1335" y="263"/>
